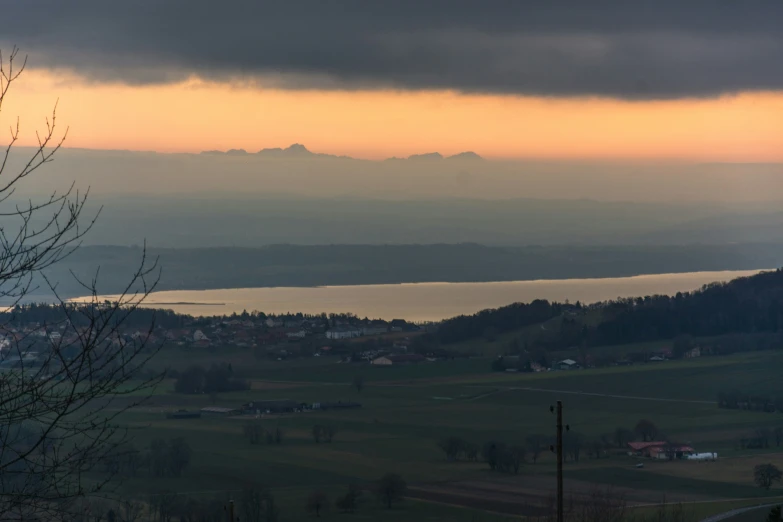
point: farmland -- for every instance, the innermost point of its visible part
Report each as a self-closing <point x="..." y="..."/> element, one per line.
<point x="406" y="410"/>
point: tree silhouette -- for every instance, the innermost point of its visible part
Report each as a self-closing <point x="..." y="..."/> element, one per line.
<point x="766" y="474"/>
<point x="75" y="375"/>
<point x="646" y="430"/>
<point x="317" y="502"/>
<point x="390" y="489"/>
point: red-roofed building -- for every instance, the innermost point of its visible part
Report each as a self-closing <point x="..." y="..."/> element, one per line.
<point x="660" y="450"/>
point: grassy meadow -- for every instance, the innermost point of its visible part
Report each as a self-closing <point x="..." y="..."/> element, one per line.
<point x="407" y="409"/>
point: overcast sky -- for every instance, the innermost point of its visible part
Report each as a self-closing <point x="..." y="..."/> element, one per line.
<point x="626" y="49"/>
<point x="687" y="79"/>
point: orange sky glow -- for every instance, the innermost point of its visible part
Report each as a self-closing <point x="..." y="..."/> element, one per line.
<point x="196" y="115"/>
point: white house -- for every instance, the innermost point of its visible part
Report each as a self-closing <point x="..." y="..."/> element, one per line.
<point x="198" y="335"/>
<point x="299" y="334"/>
<point x="343" y="332"/>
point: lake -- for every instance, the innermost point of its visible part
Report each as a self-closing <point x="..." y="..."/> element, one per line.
<point x="427" y="301"/>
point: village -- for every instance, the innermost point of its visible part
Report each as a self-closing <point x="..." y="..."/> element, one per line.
<point x="250" y="332"/>
<point x="288" y="336"/>
<point x="24" y="341"/>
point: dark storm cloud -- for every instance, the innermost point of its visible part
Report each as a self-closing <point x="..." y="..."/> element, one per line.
<point x="624" y="48"/>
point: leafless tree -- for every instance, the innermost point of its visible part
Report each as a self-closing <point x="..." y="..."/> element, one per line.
<point x="516" y="456"/>
<point x="253" y="432"/>
<point x="622" y="436"/>
<point x="573" y="443"/>
<point x="390" y="489"/>
<point x="763" y="435"/>
<point x="163" y="505"/>
<point x="317" y="502"/>
<point x="599" y="506"/>
<point x="348" y="503"/>
<point x="535" y="444"/>
<point x="646" y="430"/>
<point x="130" y="510"/>
<point x="665" y="512"/>
<point x="324" y="433"/>
<point x="64" y="384"/>
<point x="258" y="505"/>
<point x="765" y="475"/>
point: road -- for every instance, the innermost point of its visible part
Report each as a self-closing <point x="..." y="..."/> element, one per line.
<point x="734" y="512"/>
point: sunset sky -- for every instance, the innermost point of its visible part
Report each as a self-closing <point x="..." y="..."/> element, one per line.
<point x="499" y="84"/>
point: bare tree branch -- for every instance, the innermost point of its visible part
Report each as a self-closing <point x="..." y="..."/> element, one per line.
<point x="64" y="385"/>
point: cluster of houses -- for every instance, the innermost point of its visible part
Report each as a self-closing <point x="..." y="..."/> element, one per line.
<point x="511" y="363"/>
<point x="29" y="344"/>
<point x="653" y="357"/>
<point x="277" y="330"/>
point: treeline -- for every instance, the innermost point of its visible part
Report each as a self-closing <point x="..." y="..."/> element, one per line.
<point x="255" y="433"/>
<point x="253" y="503"/>
<point x="219" y="378"/>
<point x="79" y="314"/>
<point x="748" y="306"/>
<point x="258" y="504"/>
<point x="143" y="317"/>
<point x="762" y="438"/>
<point x="736" y="400"/>
<point x="489" y="323"/>
<point x="161" y="459"/>
<point x="508" y="458"/>
<point x="745" y="305"/>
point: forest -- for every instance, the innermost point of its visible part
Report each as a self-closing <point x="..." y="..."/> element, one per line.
<point x="748" y="305"/>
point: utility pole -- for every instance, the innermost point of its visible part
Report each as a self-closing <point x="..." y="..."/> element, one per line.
<point x="558" y="449"/>
<point x="231" y="510"/>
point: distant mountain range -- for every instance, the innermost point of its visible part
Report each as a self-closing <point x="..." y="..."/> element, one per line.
<point x="298" y="150"/>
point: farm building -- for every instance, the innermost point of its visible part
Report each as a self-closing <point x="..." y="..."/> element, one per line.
<point x="218" y="411"/>
<point x="660" y="450"/>
<point x="703" y="456"/>
<point x="335" y="405"/>
<point x="271" y="406"/>
<point x="568" y="364"/>
<point x="388" y="360"/>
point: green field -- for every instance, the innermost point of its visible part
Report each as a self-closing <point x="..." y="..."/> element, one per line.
<point x="407" y="409"/>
